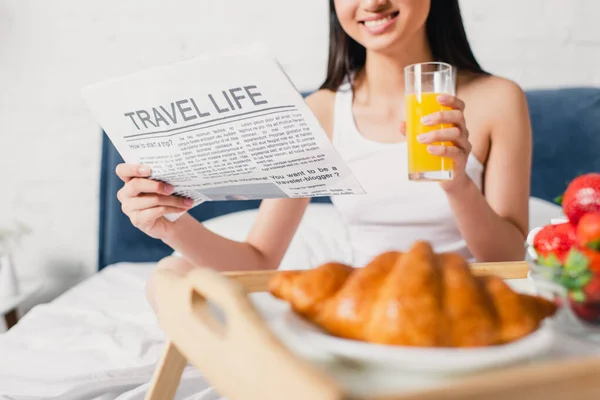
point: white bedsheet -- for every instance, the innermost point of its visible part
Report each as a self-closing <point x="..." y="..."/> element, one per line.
<point x="100" y="340"/>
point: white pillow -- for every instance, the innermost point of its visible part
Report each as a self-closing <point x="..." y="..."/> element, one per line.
<point x="321" y="236"/>
<point x="542" y="211"/>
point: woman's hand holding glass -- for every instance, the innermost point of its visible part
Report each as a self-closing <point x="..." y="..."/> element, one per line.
<point x="457" y="136"/>
<point x="145" y="201"/>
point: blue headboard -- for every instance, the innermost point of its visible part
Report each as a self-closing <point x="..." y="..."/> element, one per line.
<point x="566" y="133"/>
<point x="566" y="137"/>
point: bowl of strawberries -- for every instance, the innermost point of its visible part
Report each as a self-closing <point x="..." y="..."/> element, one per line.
<point x="564" y="257"/>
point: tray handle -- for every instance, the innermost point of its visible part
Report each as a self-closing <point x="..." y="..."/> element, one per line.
<point x="238" y="355"/>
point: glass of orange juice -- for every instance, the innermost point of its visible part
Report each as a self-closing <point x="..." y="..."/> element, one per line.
<point x="423" y="83"/>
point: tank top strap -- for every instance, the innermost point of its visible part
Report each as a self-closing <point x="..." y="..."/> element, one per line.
<point x="343" y="135"/>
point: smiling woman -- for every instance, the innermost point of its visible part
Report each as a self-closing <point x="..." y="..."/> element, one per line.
<point x="371" y="42"/>
<point x="383" y="25"/>
<point x="482" y="213"/>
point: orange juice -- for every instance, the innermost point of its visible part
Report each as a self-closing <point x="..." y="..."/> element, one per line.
<point x="421" y="164"/>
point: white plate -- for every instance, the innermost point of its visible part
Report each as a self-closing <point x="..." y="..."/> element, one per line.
<point x="417" y="359"/>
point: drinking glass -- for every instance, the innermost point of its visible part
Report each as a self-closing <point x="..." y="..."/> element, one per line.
<point x="423" y="83"/>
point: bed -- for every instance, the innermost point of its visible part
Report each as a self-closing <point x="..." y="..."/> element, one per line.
<point x="100" y="340"/>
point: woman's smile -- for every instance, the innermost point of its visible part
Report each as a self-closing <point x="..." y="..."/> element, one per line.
<point x="380" y="23"/>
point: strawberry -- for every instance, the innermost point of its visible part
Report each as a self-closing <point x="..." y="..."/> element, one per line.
<point x="589" y="312"/>
<point x="588" y="231"/>
<point x="553" y="242"/>
<point x="593" y="258"/>
<point x="585" y="302"/>
<point x="582" y="196"/>
<point x="577" y="276"/>
<point x="592" y="289"/>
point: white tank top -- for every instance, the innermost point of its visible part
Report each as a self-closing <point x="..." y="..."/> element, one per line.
<point x="394" y="212"/>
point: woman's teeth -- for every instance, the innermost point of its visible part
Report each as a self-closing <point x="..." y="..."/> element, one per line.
<point x="377" y="22"/>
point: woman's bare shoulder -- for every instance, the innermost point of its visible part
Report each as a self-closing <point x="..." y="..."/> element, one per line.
<point x="496" y="98"/>
<point x="496" y="89"/>
<point x="321" y="103"/>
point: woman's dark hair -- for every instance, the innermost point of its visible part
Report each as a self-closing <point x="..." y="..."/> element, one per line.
<point x="445" y="33"/>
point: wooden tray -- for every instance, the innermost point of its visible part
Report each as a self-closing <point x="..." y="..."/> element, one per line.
<point x="244" y="360"/>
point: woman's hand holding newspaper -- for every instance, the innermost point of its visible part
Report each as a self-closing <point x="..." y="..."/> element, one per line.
<point x="146" y="201"/>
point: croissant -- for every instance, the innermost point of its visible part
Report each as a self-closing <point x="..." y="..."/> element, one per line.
<point x="417" y="298"/>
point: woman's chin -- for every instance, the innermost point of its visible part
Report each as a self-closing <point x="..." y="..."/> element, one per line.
<point x="387" y="42"/>
<point x="382" y="45"/>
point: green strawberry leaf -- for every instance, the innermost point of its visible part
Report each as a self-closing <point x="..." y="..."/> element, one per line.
<point x="565" y="281"/>
<point x="576" y="262"/>
<point x="594" y="245"/>
<point x="577" y="295"/>
<point x="584" y="279"/>
<point x="549" y="260"/>
<point x="559" y="199"/>
<point x="575" y="277"/>
<point x="569" y="282"/>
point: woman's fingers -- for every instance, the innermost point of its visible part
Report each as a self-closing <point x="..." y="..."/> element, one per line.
<point x="137" y="186"/>
<point x="129" y="171"/>
<point x="454" y="135"/>
<point x="145" y="219"/>
<point x="451" y="101"/>
<point x="145" y="201"/>
<point x="446" y="151"/>
<point x="403" y="128"/>
<point x="453" y="117"/>
<point x="443" y="135"/>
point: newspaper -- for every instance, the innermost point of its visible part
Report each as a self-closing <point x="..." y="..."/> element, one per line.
<point x="229" y="126"/>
